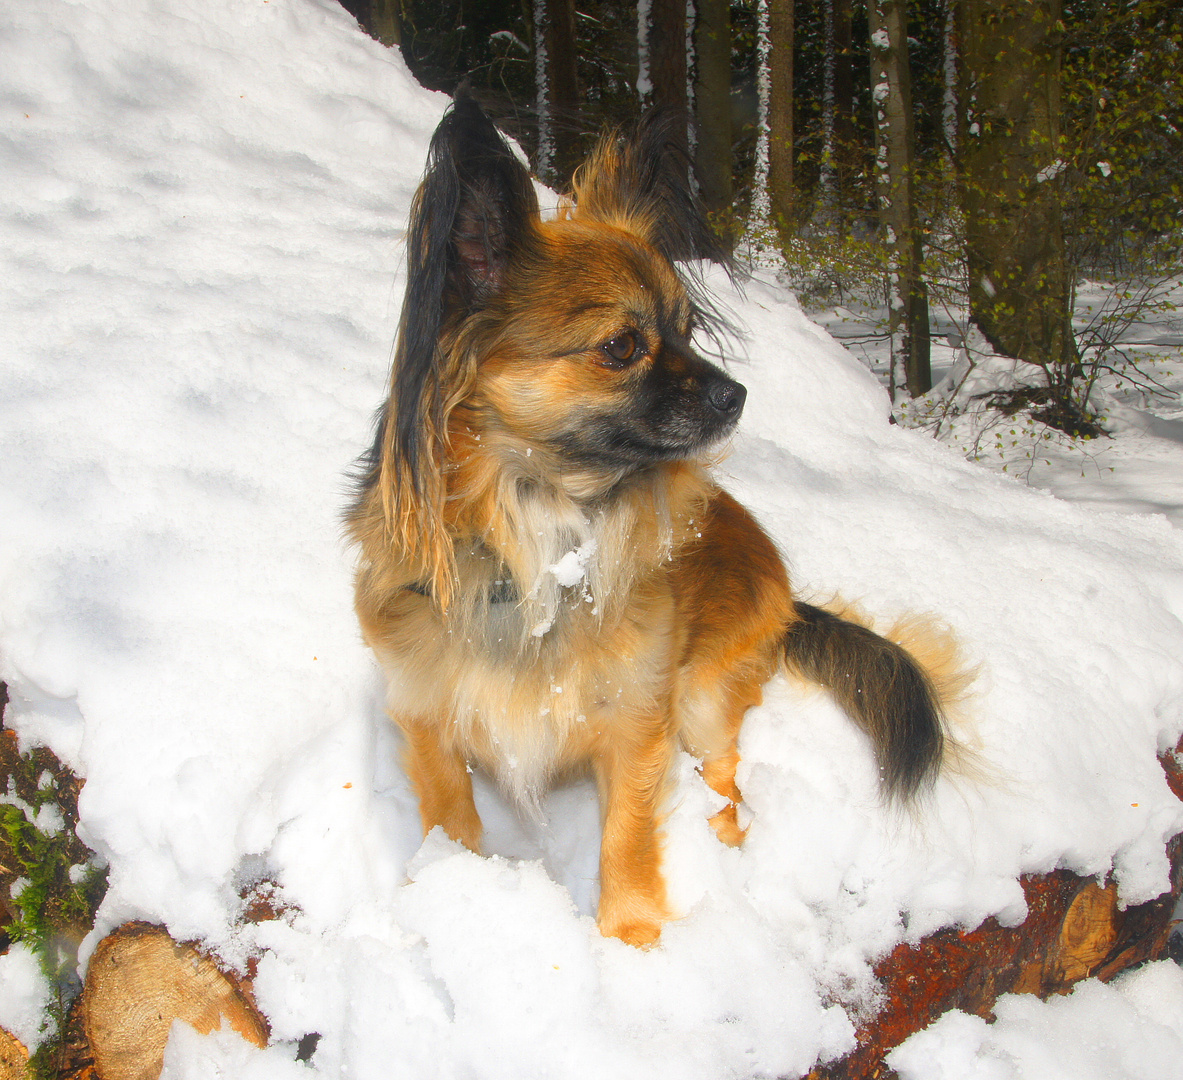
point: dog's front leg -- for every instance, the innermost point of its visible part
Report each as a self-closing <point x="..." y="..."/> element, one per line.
<point x="631" y="774"/>
<point x="441" y="778"/>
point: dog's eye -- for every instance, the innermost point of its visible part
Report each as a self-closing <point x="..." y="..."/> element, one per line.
<point x="623" y="348"/>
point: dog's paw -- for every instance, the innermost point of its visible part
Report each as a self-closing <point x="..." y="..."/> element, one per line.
<point x="727" y="827"/>
<point x="637" y="921"/>
<point x="641" y="933"/>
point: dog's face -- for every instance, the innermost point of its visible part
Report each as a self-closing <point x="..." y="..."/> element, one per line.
<point x="552" y="352"/>
<point x="584" y="352"/>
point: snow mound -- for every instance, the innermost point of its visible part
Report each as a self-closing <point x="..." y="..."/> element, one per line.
<point x="199" y="236"/>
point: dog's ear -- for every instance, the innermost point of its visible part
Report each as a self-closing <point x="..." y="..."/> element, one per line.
<point x="475" y="207"/>
<point x="473" y="213"/>
<point x="639" y="178"/>
<point x="496" y="209"/>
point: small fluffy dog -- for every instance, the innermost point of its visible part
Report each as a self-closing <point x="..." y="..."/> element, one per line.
<point x="549" y="576"/>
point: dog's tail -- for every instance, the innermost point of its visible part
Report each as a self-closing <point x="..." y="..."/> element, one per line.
<point x="882" y="687"/>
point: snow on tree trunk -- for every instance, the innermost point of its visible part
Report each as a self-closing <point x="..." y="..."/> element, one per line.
<point x="825" y="181"/>
<point x="546" y="139"/>
<point x="644" y="26"/>
<point x="892" y="101"/>
<point x="691" y="67"/>
<point x="949" y="101"/>
<point x="760" y="214"/>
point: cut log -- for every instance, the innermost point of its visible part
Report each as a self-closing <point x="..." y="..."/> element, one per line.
<point x="138" y="982"/>
<point x="1074" y="930"/>
<point x="14" y="1058"/>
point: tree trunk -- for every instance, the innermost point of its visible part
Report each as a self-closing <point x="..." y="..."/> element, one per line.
<point x="760" y="213"/>
<point x="667" y="54"/>
<point x="544" y="155"/>
<point x="780" y="117"/>
<point x="386" y="22"/>
<point x="894" y="168"/>
<point x="563" y="85"/>
<point x="844" y="128"/>
<point x="1020" y="287"/>
<point x="712" y="103"/>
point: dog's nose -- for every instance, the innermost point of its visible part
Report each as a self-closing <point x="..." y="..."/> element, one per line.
<point x="727" y="397"/>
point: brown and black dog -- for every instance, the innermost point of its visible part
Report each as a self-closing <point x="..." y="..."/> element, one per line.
<point x="549" y="576"/>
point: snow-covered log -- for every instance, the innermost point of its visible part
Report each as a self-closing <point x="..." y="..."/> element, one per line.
<point x="1074" y="929"/>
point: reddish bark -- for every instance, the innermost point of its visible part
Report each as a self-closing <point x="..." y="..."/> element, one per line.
<point x="1074" y="930"/>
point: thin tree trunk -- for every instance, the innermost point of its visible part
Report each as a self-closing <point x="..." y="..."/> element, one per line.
<point x="759" y="217"/>
<point x="894" y="142"/>
<point x="949" y="102"/>
<point x="544" y="158"/>
<point x="563" y="83"/>
<point x="826" y="179"/>
<point x="644" y="32"/>
<point x="844" y="128"/>
<point x="780" y="117"/>
<point x="712" y="101"/>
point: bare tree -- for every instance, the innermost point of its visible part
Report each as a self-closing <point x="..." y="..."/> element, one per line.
<point x="894" y="172"/>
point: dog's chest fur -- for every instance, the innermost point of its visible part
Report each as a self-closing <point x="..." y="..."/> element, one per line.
<point x="562" y="626"/>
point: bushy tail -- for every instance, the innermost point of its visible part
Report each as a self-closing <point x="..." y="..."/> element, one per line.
<point x="881" y="686"/>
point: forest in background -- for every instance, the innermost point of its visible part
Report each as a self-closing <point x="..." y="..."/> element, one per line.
<point x="980" y="155"/>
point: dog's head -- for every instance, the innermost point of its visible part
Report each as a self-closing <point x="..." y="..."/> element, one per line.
<point x="568" y="339"/>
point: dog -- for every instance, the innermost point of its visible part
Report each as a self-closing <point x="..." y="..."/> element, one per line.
<point x="548" y="575"/>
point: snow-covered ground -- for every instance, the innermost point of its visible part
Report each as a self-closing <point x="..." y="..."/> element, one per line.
<point x="200" y="223"/>
<point x="1139" y="471"/>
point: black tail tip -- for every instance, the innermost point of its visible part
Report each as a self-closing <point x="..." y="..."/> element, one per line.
<point x="882" y="688"/>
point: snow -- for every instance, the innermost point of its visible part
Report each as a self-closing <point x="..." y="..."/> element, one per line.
<point x="200" y="238"/>
<point x="1131" y="1029"/>
<point x="26" y="996"/>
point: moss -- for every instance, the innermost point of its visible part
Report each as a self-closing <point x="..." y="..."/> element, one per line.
<point x="50" y="886"/>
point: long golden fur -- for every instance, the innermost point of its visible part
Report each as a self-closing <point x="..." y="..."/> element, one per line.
<point x="549" y="576"/>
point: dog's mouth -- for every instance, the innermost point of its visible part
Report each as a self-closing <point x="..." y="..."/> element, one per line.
<point x="681" y="422"/>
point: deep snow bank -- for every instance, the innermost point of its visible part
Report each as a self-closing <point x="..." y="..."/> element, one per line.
<point x="199" y="235"/>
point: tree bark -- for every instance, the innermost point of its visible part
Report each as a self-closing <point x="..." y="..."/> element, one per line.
<point x="563" y="82"/>
<point x="712" y="103"/>
<point x="894" y="172"/>
<point x="1020" y="287"/>
<point x="781" y="195"/>
<point x="386" y="22"/>
<point x="1075" y="929"/>
<point x="544" y="155"/>
<point x="844" y="129"/>
<point x="667" y="54"/>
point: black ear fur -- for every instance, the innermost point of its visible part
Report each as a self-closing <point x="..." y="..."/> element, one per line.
<point x="643" y="172"/>
<point x="475" y="207"/>
<point x="639" y="177"/>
